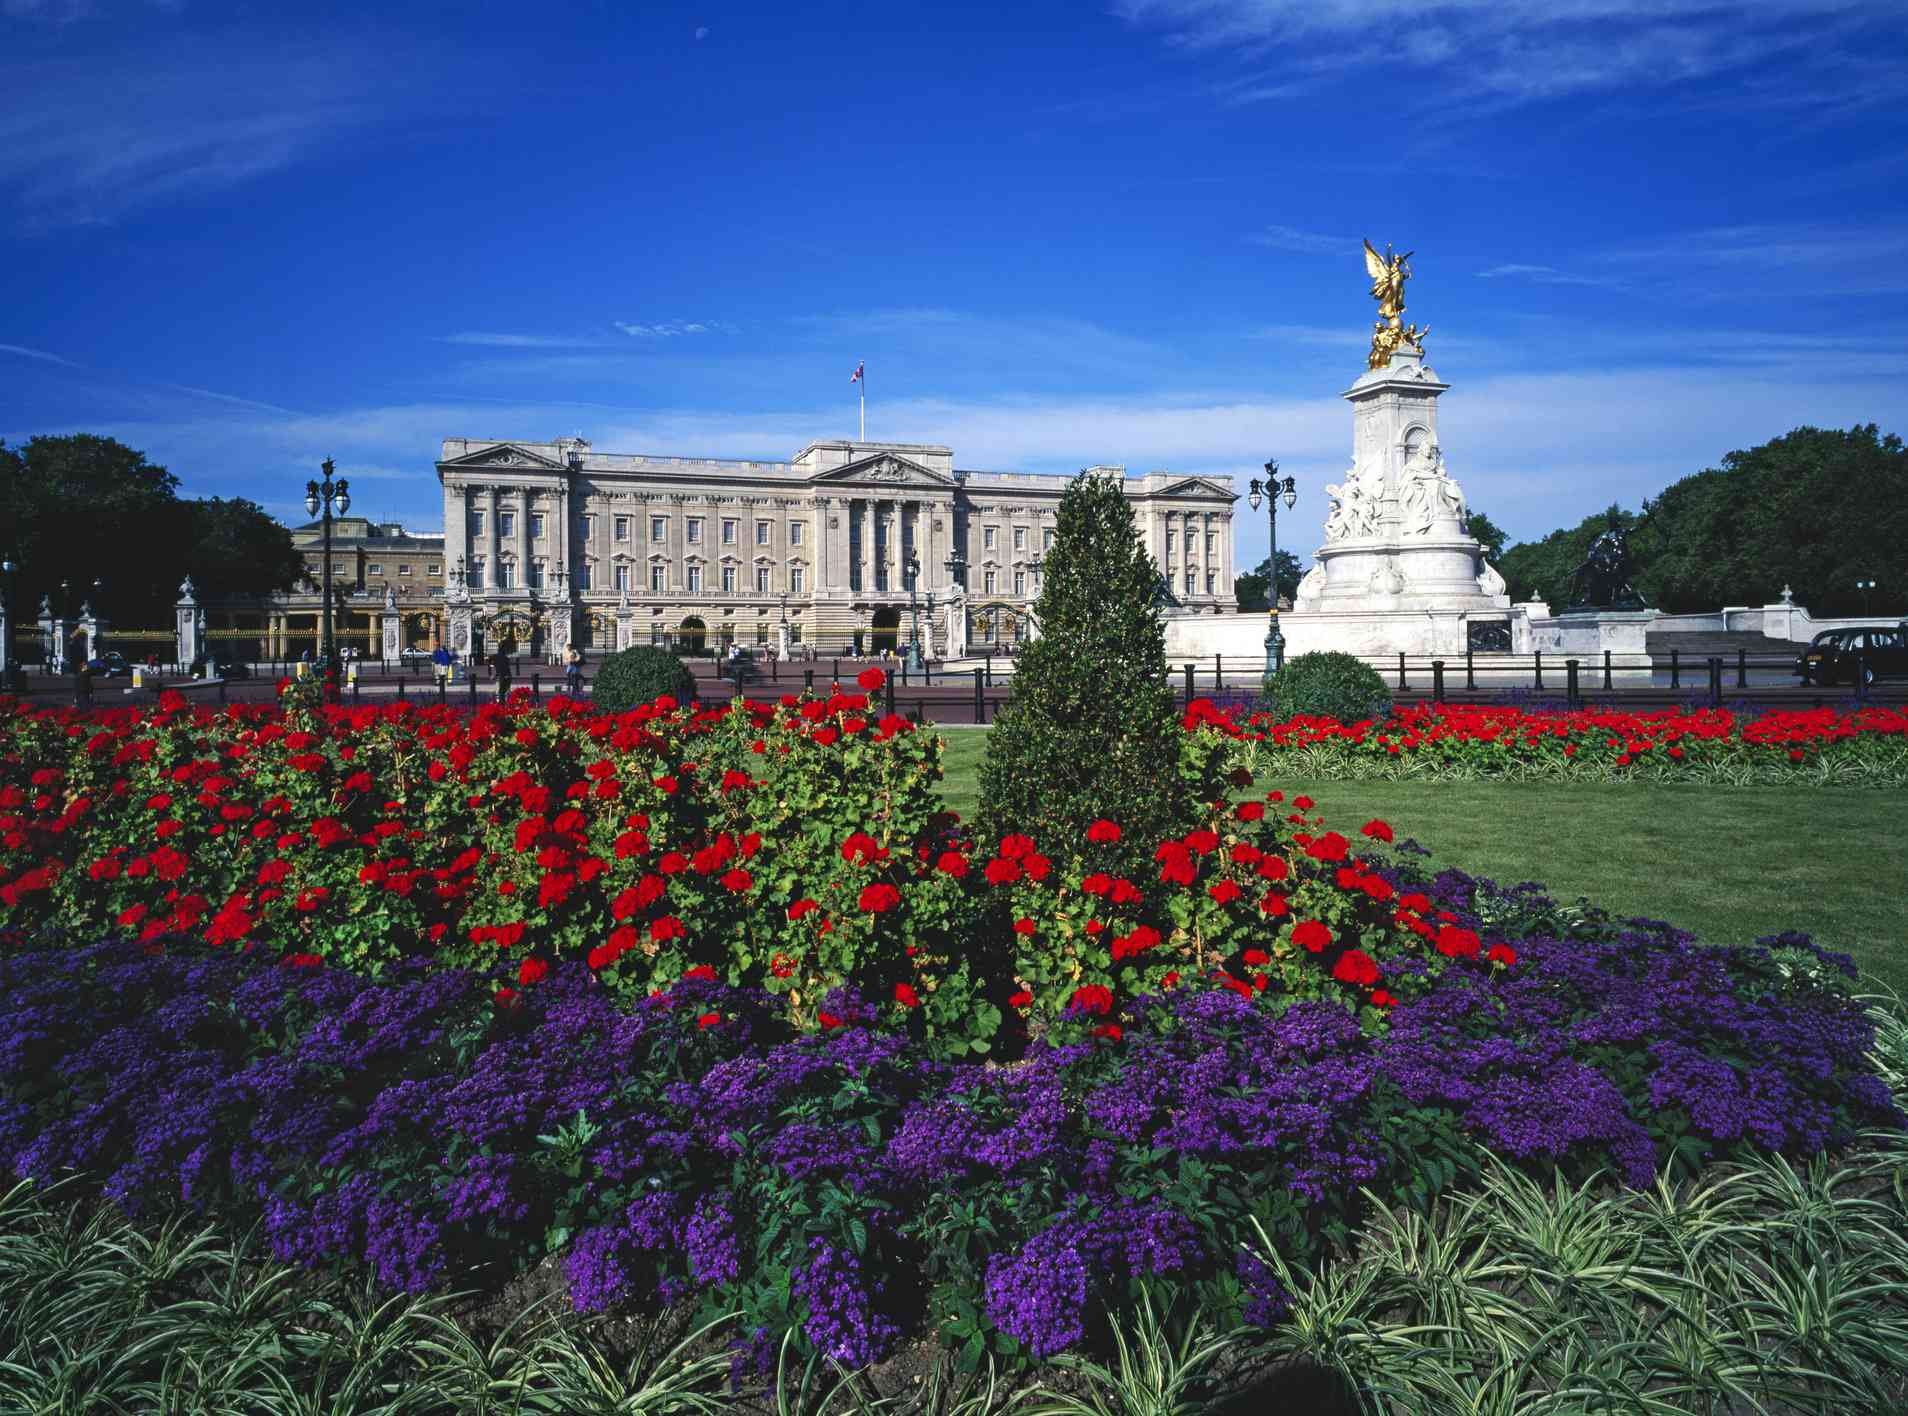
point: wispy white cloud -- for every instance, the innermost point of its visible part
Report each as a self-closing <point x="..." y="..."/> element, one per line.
<point x="1525" y="52"/>
<point x="525" y="341"/>
<point x="668" y="329"/>
<point x="86" y="140"/>
<point x="21" y="351"/>
<point x="1542" y="275"/>
<point x="1310" y="243"/>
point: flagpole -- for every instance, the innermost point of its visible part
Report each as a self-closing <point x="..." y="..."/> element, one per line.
<point x="863" y="381"/>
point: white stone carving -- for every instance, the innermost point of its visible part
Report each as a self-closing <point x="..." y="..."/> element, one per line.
<point x="1489" y="580"/>
<point x="1311" y="587"/>
<point x="1354" y="510"/>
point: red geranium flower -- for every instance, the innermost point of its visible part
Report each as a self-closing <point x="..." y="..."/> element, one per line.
<point x="532" y="971"/>
<point x="1224" y="893"/>
<point x="871" y="680"/>
<point x="905" y="995"/>
<point x="1251" y="811"/>
<point x="737" y="881"/>
<point x="1091" y="998"/>
<point x="1020" y="999"/>
<point x="1023" y="925"/>
<point x="1502" y="954"/>
<point x="1457" y="943"/>
<point x="1312" y="934"/>
<point x="1376" y="830"/>
<point x="875" y="899"/>
<point x="1103" y="832"/>
<point x="1355" y="967"/>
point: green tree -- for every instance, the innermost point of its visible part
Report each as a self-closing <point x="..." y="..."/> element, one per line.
<point x="233" y="547"/>
<point x="83" y="508"/>
<point x="78" y="509"/>
<point x="1249" y="589"/>
<point x="1488" y="534"/>
<point x="1090" y="730"/>
<point x="1817" y="509"/>
<point x="1543" y="570"/>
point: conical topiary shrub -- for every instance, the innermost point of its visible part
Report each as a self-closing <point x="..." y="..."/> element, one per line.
<point x="1090" y="730"/>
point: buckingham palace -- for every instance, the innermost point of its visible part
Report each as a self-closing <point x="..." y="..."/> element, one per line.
<point x="551" y="543"/>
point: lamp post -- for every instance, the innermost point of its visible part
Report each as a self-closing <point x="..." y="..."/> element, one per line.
<point x="7" y="568"/>
<point x="912" y="568"/>
<point x="327" y="495"/>
<point x="1867" y="587"/>
<point x="1272" y="489"/>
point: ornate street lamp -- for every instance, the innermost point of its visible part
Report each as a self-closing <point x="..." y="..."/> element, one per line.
<point x="7" y="568"/>
<point x="1271" y="490"/>
<point x="327" y="495"/>
<point x="957" y="569"/>
<point x="912" y="568"/>
<point x="1867" y="587"/>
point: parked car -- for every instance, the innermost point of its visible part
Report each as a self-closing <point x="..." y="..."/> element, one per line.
<point x="109" y="665"/>
<point x="1876" y="651"/>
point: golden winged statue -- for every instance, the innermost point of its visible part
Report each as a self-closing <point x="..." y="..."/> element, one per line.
<point x="1388" y="276"/>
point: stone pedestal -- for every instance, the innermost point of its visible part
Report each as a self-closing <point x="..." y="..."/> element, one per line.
<point x="1587" y="635"/>
<point x="186" y="621"/>
<point x="957" y="625"/>
<point x="1398" y="572"/>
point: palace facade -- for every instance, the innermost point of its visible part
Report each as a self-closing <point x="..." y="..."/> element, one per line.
<point x="552" y="542"/>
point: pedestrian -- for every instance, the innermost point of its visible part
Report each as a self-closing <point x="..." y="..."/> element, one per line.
<point x="572" y="671"/>
<point x="501" y="664"/>
<point x="441" y="660"/>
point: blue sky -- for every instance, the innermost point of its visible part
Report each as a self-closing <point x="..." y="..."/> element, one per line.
<point x="247" y="237"/>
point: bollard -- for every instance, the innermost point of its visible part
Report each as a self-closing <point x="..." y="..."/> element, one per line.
<point x="1570" y="683"/>
<point x="1606" y="670"/>
<point x="400" y="697"/>
<point x="980" y="703"/>
<point x="775" y="669"/>
<point x="889" y="687"/>
<point x="1742" y="668"/>
<point x="221" y="691"/>
<point x="1437" y="680"/>
<point x="1715" y="681"/>
<point x="990" y="668"/>
<point x="1189" y="683"/>
<point x="443" y="691"/>
<point x="1537" y="661"/>
<point x="1470" y="668"/>
<point x="1401" y="671"/>
<point x="1218" y="674"/>
<point x="1676" y="668"/>
<point x="808" y="680"/>
<point x="472" y="681"/>
<point x="357" y="690"/>
<point x="536" y="688"/>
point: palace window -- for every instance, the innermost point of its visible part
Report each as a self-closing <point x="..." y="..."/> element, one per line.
<point x="993" y="583"/>
<point x="1020" y="582"/>
<point x="987" y="538"/>
<point x="728" y="532"/>
<point x="1190" y="582"/>
<point x="762" y="533"/>
<point x="506" y="523"/>
<point x="620" y="577"/>
<point x="694" y="530"/>
<point x="476" y="526"/>
<point x="728" y="580"/>
<point x="695" y="580"/>
<point x="587" y="526"/>
<point x="1170" y="537"/>
<point x="794" y="533"/>
<point x="1046" y="539"/>
<point x="506" y="575"/>
<point x="1210" y="578"/>
<point x="536" y="526"/>
<point x="1212" y="544"/>
<point x="403" y="569"/>
<point x="1020" y="538"/>
<point x="434" y="569"/>
<point x="761" y="580"/>
<point x="374" y="569"/>
<point x="795" y="578"/>
<point x="585" y="575"/>
<point x="761" y="631"/>
<point x="536" y="575"/>
<point x="622" y="528"/>
<point x="477" y="572"/>
<point x="658" y="578"/>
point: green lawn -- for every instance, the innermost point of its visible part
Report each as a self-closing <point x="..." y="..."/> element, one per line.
<point x="1730" y="863"/>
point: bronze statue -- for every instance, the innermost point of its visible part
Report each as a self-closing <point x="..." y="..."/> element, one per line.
<point x="1388" y="276"/>
<point x="1602" y="582"/>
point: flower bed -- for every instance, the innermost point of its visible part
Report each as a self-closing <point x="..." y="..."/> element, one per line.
<point x="1462" y="741"/>
<point x="849" y="1186"/>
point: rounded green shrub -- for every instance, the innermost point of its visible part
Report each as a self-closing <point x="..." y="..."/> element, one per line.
<point x="1327" y="684"/>
<point x="632" y="677"/>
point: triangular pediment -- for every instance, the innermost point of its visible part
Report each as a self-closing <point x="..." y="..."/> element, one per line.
<point x="885" y="469"/>
<point x="1197" y="487"/>
<point x="506" y="455"/>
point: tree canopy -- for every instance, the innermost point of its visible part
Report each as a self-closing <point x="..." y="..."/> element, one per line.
<point x="83" y="509"/>
<point x="1091" y="729"/>
<point x="1249" y="589"/>
<point x="1815" y="509"/>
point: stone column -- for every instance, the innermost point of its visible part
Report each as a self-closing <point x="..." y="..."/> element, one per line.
<point x="821" y="578"/>
<point x="186" y="618"/>
<point x="523" y="540"/>
<point x="392" y="634"/>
